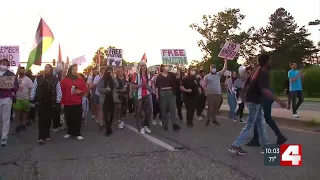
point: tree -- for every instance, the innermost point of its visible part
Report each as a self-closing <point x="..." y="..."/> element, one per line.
<point x="216" y="29"/>
<point x="197" y="64"/>
<point x="286" y="41"/>
<point x="314" y="23"/>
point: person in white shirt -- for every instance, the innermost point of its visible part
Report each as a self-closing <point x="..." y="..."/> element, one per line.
<point x="22" y="104"/>
<point x="95" y="97"/>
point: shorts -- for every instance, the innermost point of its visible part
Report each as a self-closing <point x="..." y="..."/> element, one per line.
<point x="22" y="105"/>
<point x="95" y="99"/>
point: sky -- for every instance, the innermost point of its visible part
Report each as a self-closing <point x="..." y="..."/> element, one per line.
<point x="136" y="26"/>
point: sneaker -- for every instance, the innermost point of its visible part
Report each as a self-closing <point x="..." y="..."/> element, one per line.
<point x="79" y="138"/>
<point x="237" y="151"/>
<point x="281" y="140"/>
<point x="296" y="116"/>
<point x="108" y="132"/>
<point x="67" y="136"/>
<point x="253" y="143"/>
<point x="121" y="124"/>
<point x="3" y="142"/>
<point x="216" y="123"/>
<point x="241" y="121"/>
<point x="48" y="139"/>
<point x="55" y="130"/>
<point x="154" y="122"/>
<point x="147" y="130"/>
<point x="200" y="118"/>
<point x="142" y="131"/>
<point x="235" y="120"/>
<point x="41" y="141"/>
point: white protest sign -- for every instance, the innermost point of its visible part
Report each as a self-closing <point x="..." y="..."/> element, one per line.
<point x="12" y="53"/>
<point x="229" y="50"/>
<point x="227" y="73"/>
<point x="7" y="82"/>
<point x="114" y="57"/>
<point x="79" y="60"/>
<point x="174" y="56"/>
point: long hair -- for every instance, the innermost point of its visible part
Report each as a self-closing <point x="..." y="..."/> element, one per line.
<point x="69" y="73"/>
<point x="107" y="78"/>
<point x="146" y="73"/>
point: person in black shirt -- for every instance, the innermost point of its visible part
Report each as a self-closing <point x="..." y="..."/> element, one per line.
<point x="179" y="102"/>
<point x="256" y="89"/>
<point x="191" y="89"/>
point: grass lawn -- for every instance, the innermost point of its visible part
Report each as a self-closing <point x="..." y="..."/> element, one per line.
<point x="306" y="99"/>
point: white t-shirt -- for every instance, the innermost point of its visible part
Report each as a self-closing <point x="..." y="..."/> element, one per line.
<point x="25" y="85"/>
<point x="95" y="81"/>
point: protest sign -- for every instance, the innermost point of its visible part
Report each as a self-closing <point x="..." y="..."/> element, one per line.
<point x="229" y="50"/>
<point x="79" y="60"/>
<point x="114" y="57"/>
<point x="227" y="73"/>
<point x="12" y="53"/>
<point x="174" y="56"/>
<point x="7" y="82"/>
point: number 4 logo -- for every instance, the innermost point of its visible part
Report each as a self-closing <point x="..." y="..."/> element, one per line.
<point x="291" y="154"/>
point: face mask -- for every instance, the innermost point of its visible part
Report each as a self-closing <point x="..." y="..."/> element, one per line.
<point x="3" y="68"/>
<point x="192" y="73"/>
<point x="213" y="70"/>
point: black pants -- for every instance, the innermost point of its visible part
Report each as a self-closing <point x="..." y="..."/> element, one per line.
<point x="32" y="114"/>
<point x="45" y="113"/>
<point x="190" y="108"/>
<point x="240" y="110"/>
<point x="156" y="107"/>
<point x="294" y="96"/>
<point x="179" y="104"/>
<point x="131" y="105"/>
<point x="56" y="118"/>
<point x="272" y="124"/>
<point x="201" y="104"/>
<point x="73" y="116"/>
<point x="108" y="113"/>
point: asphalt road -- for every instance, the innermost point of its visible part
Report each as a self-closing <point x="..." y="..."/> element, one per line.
<point x="310" y="106"/>
<point x="202" y="153"/>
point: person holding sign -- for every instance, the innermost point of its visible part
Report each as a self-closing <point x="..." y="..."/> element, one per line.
<point x="8" y="87"/>
<point x="213" y="92"/>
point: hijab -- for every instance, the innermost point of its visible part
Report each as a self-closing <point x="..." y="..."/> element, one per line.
<point x="70" y="75"/>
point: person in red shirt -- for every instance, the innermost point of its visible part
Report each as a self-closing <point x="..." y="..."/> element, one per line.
<point x="73" y="88"/>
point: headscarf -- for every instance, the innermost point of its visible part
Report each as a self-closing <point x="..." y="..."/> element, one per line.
<point x="70" y="75"/>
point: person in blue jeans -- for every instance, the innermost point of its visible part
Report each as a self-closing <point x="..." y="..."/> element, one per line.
<point x="294" y="77"/>
<point x="232" y="100"/>
<point x="267" y="109"/>
<point x="255" y="88"/>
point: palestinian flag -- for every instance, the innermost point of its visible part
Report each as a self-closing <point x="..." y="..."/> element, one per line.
<point x="43" y="40"/>
<point x="144" y="58"/>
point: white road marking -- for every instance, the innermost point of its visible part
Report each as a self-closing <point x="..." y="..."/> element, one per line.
<point x="152" y="139"/>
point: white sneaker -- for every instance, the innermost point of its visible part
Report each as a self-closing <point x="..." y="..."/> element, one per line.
<point x="200" y="118"/>
<point x="80" y="138"/>
<point x="67" y="136"/>
<point x="55" y="130"/>
<point x="160" y="123"/>
<point x="147" y="130"/>
<point x="142" y="131"/>
<point x="3" y="142"/>
<point x="296" y="116"/>
<point x="234" y="120"/>
<point x="121" y="124"/>
<point x="154" y="122"/>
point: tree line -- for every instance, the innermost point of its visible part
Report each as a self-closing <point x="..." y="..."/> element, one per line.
<point x="282" y="38"/>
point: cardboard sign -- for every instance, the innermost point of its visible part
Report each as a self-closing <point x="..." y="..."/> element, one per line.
<point x="12" y="53"/>
<point x="174" y="56"/>
<point x="79" y="60"/>
<point x="114" y="57"/>
<point x="229" y="50"/>
<point x="7" y="82"/>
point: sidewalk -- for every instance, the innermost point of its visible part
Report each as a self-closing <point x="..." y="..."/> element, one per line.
<point x="284" y="114"/>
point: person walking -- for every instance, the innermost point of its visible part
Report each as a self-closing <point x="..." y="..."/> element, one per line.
<point x="214" y="92"/>
<point x="6" y="96"/>
<point x="73" y="88"/>
<point x="231" y="92"/>
<point x="107" y="88"/>
<point x="46" y="96"/>
<point x="295" y="76"/>
<point x="255" y="89"/>
<point x="201" y="100"/>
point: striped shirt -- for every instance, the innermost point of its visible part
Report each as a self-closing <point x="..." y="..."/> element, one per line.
<point x="138" y="80"/>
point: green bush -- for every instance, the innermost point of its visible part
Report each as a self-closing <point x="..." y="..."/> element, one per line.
<point x="278" y="79"/>
<point x="311" y="81"/>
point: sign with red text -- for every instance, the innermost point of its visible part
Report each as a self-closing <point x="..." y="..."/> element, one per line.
<point x="229" y="50"/>
<point x="291" y="155"/>
<point x="12" y="53"/>
<point x="174" y="56"/>
<point x="114" y="57"/>
<point x="7" y="82"/>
